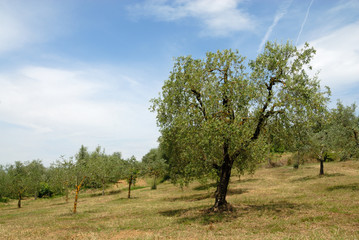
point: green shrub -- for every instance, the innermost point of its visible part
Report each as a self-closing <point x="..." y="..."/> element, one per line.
<point x="45" y="190"/>
<point x="4" y="199"/>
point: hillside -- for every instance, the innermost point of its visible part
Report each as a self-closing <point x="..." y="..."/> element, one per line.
<point x="274" y="203"/>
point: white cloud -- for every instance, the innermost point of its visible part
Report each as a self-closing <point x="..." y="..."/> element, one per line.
<point x="87" y="106"/>
<point x="27" y="22"/>
<point x="219" y="17"/>
<point x="344" y="6"/>
<point x="338" y="58"/>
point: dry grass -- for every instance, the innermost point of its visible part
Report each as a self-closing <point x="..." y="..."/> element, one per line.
<point x="275" y="203"/>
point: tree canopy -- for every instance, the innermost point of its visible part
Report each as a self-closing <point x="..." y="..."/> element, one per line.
<point x="213" y="112"/>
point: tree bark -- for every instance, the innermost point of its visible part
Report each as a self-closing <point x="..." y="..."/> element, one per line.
<point x="19" y="202"/>
<point x="77" y="194"/>
<point x="67" y="194"/>
<point x="129" y="187"/>
<point x="76" y="197"/>
<point x="321" y="171"/>
<point x="154" y="186"/>
<point x="103" y="187"/>
<point x="221" y="203"/>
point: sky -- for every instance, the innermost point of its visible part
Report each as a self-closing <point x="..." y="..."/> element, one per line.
<point x="83" y="72"/>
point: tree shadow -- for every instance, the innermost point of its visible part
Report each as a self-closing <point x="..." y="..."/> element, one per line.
<point x="307" y="178"/>
<point x="205" y="186"/>
<point x="61" y="203"/>
<point x="175" y="212"/>
<point x="204" y="216"/>
<point x="124" y="199"/>
<point x="236" y="191"/>
<point x="276" y="207"/>
<point x="190" y="198"/>
<point x="10" y="208"/>
<point x="202" y="196"/>
<point x="112" y="192"/>
<point x="248" y="180"/>
<point x="352" y="187"/>
<point x="334" y="175"/>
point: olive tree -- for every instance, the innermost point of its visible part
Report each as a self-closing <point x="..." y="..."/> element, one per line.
<point x="81" y="171"/>
<point x="212" y="112"/>
<point x="36" y="175"/>
<point x="131" y="172"/>
<point x="4" y="184"/>
<point x="321" y="140"/>
<point x="154" y="165"/>
<point x="345" y="128"/>
<point x="61" y="176"/>
<point x="104" y="169"/>
<point x="19" y="181"/>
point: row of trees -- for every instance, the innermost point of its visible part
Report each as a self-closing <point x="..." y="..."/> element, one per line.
<point x="215" y="116"/>
<point x="87" y="169"/>
<point x="331" y="134"/>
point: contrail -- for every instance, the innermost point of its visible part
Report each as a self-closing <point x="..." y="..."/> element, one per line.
<point x="280" y="13"/>
<point x="305" y="20"/>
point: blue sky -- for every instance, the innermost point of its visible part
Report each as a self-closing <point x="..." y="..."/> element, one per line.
<point x="83" y="72"/>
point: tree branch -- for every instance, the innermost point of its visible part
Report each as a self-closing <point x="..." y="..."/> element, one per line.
<point x="356" y="137"/>
<point x="263" y="117"/>
<point x="199" y="100"/>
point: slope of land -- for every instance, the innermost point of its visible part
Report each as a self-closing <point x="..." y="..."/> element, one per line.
<point x="275" y="203"/>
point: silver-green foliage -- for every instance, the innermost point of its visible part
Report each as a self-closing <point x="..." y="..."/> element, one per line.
<point x="344" y="127"/>
<point x="212" y="104"/>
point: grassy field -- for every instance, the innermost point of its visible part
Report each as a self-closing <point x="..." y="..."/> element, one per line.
<point x="274" y="203"/>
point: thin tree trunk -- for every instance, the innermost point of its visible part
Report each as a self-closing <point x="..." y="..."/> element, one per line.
<point x="67" y="194"/>
<point x="35" y="196"/>
<point x="77" y="194"/>
<point x="19" y="202"/>
<point x="103" y="187"/>
<point x="129" y="187"/>
<point x="154" y="186"/>
<point x="321" y="172"/>
<point x="76" y="197"/>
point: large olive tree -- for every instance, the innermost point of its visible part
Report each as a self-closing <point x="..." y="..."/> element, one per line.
<point x="213" y="113"/>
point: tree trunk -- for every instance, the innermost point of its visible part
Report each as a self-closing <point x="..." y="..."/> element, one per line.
<point x="220" y="203"/>
<point x="67" y="194"/>
<point x="129" y="187"/>
<point x="76" y="197"/>
<point x="77" y="193"/>
<point x="321" y="172"/>
<point x="66" y="188"/>
<point x="154" y="186"/>
<point x="19" y="202"/>
<point x="35" y="196"/>
<point x="103" y="187"/>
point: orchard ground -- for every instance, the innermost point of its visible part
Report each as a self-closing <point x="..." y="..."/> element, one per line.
<point x="274" y="203"/>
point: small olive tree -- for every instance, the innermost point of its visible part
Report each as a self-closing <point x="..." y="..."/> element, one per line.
<point x="19" y="181"/>
<point x="154" y="165"/>
<point x="132" y="169"/>
<point x="4" y="184"/>
<point x="104" y="169"/>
